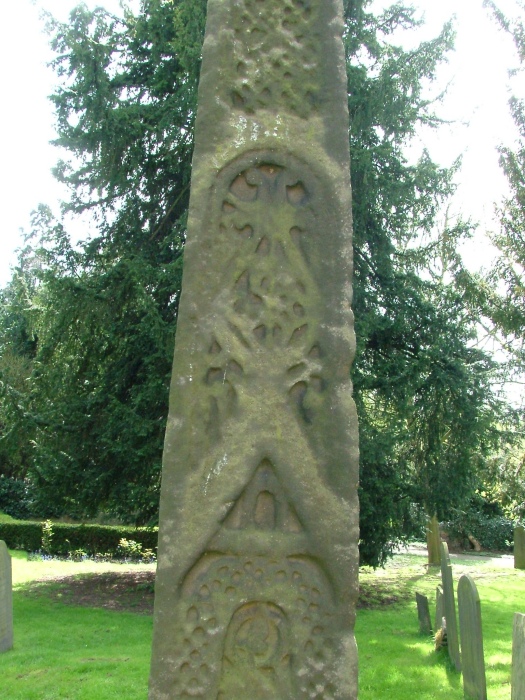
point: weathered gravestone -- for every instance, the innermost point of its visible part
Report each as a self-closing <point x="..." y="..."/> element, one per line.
<point x="433" y="542"/>
<point x="440" y="609"/>
<point x="423" y="613"/>
<point x="518" y="658"/>
<point x="257" y="574"/>
<point x="472" y="658"/>
<point x="449" y="601"/>
<point x="6" y="599"/>
<point x="519" y="547"/>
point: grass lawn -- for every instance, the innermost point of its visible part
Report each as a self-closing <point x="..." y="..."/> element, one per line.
<point x="71" y="652"/>
<point x="397" y="663"/>
<point x="69" y="647"/>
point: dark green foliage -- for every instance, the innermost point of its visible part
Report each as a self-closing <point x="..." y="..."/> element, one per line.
<point x="96" y="322"/>
<point x="106" y="320"/>
<point x="485" y="520"/>
<point x="17" y="350"/>
<point x="498" y="296"/>
<point x="507" y="310"/>
<point x="92" y="539"/>
<point x="14" y="497"/>
<point x="504" y="482"/>
<point x="22" y="535"/>
<point x="424" y="395"/>
<point x="493" y="532"/>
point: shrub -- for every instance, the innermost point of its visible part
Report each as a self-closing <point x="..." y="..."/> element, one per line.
<point x="47" y="536"/>
<point x="492" y="532"/>
<point x="102" y="540"/>
<point x="129" y="549"/>
<point x="21" y="500"/>
<point x="22" y="535"/>
<point x="103" y="556"/>
<point x="14" y="497"/>
<point x="77" y="555"/>
<point x="148" y="556"/>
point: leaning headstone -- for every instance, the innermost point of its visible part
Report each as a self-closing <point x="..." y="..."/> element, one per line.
<point x="423" y="613"/>
<point x="6" y="599"/>
<point x="440" y="609"/>
<point x="472" y="659"/>
<point x="257" y="572"/>
<point x="518" y="658"/>
<point x="519" y="547"/>
<point x="449" y="600"/>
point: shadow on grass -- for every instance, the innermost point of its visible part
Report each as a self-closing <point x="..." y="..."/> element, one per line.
<point x="133" y="591"/>
<point x="393" y="585"/>
<point x="378" y="593"/>
<point x="127" y="591"/>
<point x="397" y="662"/>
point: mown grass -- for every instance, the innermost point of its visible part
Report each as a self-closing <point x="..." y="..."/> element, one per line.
<point x="75" y="654"/>
<point x="397" y="663"/>
<point x="65" y="652"/>
<point x="26" y="570"/>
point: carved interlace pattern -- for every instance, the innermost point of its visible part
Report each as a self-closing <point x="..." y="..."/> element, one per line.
<point x="276" y="55"/>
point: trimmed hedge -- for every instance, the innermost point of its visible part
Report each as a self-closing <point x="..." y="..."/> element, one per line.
<point x="92" y="539"/>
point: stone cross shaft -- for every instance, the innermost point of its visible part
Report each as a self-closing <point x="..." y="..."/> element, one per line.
<point x="257" y="574"/>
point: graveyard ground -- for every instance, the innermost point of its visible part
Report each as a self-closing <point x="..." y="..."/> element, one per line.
<point x="83" y="630"/>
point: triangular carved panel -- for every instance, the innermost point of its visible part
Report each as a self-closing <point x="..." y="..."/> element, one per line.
<point x="264" y="505"/>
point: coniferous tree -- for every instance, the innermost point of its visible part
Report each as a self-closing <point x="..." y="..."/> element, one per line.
<point x="506" y="310"/>
<point x="497" y="296"/>
<point x="104" y="312"/>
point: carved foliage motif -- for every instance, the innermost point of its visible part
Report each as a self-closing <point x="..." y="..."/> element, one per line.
<point x="267" y="210"/>
<point x="287" y="77"/>
<point x="257" y="607"/>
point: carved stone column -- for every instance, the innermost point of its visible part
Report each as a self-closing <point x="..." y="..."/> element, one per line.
<point x="257" y="576"/>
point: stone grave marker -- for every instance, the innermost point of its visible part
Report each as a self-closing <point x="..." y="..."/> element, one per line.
<point x="519" y="547"/>
<point x="472" y="659"/>
<point x="433" y="542"/>
<point x="6" y="599"/>
<point x="449" y="601"/>
<point x="423" y="613"/>
<point x="257" y="569"/>
<point x="440" y="609"/>
<point x="518" y="658"/>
